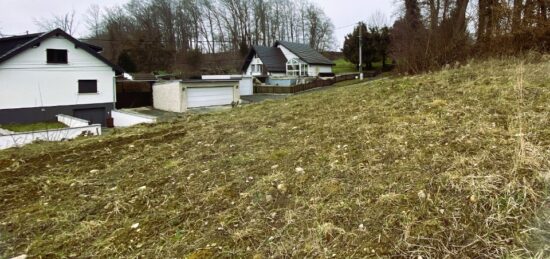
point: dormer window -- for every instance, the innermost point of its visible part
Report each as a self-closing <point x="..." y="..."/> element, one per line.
<point x="57" y="56"/>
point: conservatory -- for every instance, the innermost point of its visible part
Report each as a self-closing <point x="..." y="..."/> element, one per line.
<point x="296" y="67"/>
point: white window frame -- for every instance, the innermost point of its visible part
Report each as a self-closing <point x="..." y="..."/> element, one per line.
<point x="296" y="67"/>
<point x="258" y="68"/>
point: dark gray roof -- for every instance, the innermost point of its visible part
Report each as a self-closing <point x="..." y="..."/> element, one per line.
<point x="275" y="61"/>
<point x="305" y="53"/>
<point x="273" y="58"/>
<point x="12" y="46"/>
<point x="10" y="43"/>
<point x="92" y="46"/>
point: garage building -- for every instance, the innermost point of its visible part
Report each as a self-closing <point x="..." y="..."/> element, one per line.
<point x="178" y="96"/>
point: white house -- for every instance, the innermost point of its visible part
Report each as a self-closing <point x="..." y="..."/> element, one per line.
<point x="46" y="74"/>
<point x="286" y="60"/>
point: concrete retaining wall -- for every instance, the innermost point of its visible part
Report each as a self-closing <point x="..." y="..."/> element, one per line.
<point x="21" y="139"/>
<point x="72" y="121"/>
<point x="128" y="119"/>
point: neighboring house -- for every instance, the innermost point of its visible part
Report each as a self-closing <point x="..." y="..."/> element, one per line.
<point x="286" y="59"/>
<point x="46" y="74"/>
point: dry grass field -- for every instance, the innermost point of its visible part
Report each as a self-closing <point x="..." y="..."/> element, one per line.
<point x="450" y="164"/>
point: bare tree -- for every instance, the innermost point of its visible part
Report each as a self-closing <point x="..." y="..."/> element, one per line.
<point x="378" y="19"/>
<point x="92" y="18"/>
<point x="179" y="29"/>
<point x="66" y="22"/>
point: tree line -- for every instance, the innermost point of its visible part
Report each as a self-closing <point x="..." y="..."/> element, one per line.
<point x="432" y="33"/>
<point x="375" y="43"/>
<point x="156" y="35"/>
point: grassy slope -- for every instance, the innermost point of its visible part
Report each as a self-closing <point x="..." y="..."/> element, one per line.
<point x="427" y="165"/>
<point x="33" y="126"/>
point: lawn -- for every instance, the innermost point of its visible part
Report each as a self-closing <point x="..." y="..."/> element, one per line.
<point x="33" y="126"/>
<point x="343" y="66"/>
<point x="446" y="164"/>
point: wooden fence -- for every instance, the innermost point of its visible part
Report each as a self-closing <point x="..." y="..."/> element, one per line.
<point x="260" y="89"/>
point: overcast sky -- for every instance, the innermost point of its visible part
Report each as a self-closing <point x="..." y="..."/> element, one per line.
<point x="18" y="16"/>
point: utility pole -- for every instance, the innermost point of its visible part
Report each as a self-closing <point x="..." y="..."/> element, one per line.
<point x="361" y="51"/>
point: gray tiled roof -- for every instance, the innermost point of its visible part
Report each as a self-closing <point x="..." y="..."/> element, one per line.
<point x="10" y="43"/>
<point x="305" y="53"/>
<point x="275" y="61"/>
<point x="273" y="58"/>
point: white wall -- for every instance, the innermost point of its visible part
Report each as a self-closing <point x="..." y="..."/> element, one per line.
<point x="26" y="80"/>
<point x="72" y="121"/>
<point x="21" y="139"/>
<point x="314" y="70"/>
<point x="128" y="119"/>
<point x="246" y="86"/>
<point x="255" y="61"/>
<point x="221" y="77"/>
<point x="168" y="96"/>
<point x="288" y="54"/>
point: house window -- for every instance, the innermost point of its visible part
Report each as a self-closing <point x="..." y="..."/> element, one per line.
<point x="303" y="69"/>
<point x="256" y="68"/>
<point x="57" y="56"/>
<point x="296" y="67"/>
<point x="87" y="86"/>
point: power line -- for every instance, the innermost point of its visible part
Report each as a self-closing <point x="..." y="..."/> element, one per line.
<point x="154" y="41"/>
<point x="346" y="26"/>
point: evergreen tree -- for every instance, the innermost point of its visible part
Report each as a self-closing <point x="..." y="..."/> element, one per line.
<point x="382" y="43"/>
<point x="376" y="43"/>
<point x="351" y="46"/>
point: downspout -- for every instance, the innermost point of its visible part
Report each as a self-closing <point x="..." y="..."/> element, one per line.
<point x="114" y="93"/>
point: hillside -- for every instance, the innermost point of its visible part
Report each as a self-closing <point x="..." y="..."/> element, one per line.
<point x="453" y="163"/>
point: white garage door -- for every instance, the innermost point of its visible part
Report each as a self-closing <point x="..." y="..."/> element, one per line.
<point x="246" y="86"/>
<point x="202" y="97"/>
